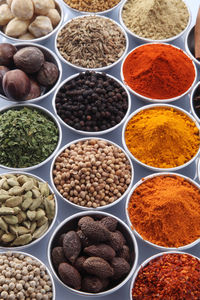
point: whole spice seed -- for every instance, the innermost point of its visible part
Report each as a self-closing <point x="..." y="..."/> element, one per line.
<point x="91" y="42"/>
<point x="92" y="6"/>
<point x="92" y="173"/>
<point x="165" y="210"/>
<point x="155" y="19"/>
<point x="162" y="137"/>
<point x="23" y="277"/>
<point x="196" y="101"/>
<point x="170" y="276"/>
<point x="27" y="137"/>
<point x="92" y="102"/>
<point x="158" y="71"/>
<point x="26" y="210"/>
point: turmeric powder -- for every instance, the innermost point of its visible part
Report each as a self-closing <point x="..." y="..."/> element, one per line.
<point x="162" y="137"/>
<point x="165" y="210"/>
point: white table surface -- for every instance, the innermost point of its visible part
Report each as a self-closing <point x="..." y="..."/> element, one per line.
<point x="64" y="209"/>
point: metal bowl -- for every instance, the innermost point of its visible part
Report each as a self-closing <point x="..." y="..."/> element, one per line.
<point x="146" y="262"/>
<point x="84" y="207"/>
<point x="51" y="116"/>
<point x="79" y="68"/>
<point x="40" y="39"/>
<point x="156" y="246"/>
<point x="156" y="169"/>
<point x="52" y="223"/>
<point x="91" y="133"/>
<point x="148" y="40"/>
<point x="153" y="100"/>
<point x="49" y="56"/>
<point x="69" y="223"/>
<point x="192" y="95"/>
<point x="189" y="45"/>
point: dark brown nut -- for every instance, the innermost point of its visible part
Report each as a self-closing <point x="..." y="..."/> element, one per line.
<point x="34" y="90"/>
<point x="121" y="267"/>
<point x="117" y="240"/>
<point x="110" y="223"/>
<point x="96" y="231"/>
<point x="58" y="256"/>
<point x="98" y="266"/>
<point x="71" y="246"/>
<point x="79" y="263"/>
<point x="29" y="59"/>
<point x="6" y="54"/>
<point x="60" y="239"/>
<point x="3" y="71"/>
<point x="69" y="275"/>
<point x="85" y="242"/>
<point x="102" y="250"/>
<point x="16" y="85"/>
<point x="48" y="74"/>
<point x="93" y="284"/>
<point x="86" y="219"/>
<point x="124" y="253"/>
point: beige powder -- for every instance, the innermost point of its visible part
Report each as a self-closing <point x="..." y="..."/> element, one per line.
<point x="155" y="19"/>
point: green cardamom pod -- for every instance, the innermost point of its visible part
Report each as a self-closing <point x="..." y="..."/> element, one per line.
<point x="22" y="240"/>
<point x="50" y="208"/>
<point x="28" y="185"/>
<point x="13" y="201"/>
<point x="36" y="203"/>
<point x="4" y="211"/>
<point x="26" y="203"/>
<point x="12" y="182"/>
<point x="39" y="214"/>
<point x="33" y="227"/>
<point x="42" y="221"/>
<point x="16" y="191"/>
<point x="3" y="225"/>
<point x="40" y="231"/>
<point x="7" y="237"/>
<point x="12" y="220"/>
<point x="22" y="230"/>
<point x="44" y="188"/>
<point x="21" y="217"/>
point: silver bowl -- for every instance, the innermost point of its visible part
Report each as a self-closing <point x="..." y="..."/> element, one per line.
<point x="192" y="95"/>
<point x="156" y="246"/>
<point x="91" y="133"/>
<point x="148" y="166"/>
<point x="51" y="116"/>
<point x="70" y="222"/>
<point x="49" y="56"/>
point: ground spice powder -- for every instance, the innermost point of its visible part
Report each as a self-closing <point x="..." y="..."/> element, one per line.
<point x="155" y="19"/>
<point x="173" y="276"/>
<point x="165" y="210"/>
<point x="162" y="137"/>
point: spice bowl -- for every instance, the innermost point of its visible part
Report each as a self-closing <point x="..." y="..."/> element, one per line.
<point x="159" y="209"/>
<point x="189" y="45"/>
<point x="157" y="86"/>
<point x="98" y="173"/>
<point x="36" y="129"/>
<point x="38" y="79"/>
<point x="153" y="11"/>
<point x="30" y="270"/>
<point x="102" y="285"/>
<point x="175" y="263"/>
<point x="86" y="56"/>
<point x="94" y="110"/>
<point x="29" y="211"/>
<point x="43" y="29"/>
<point x="195" y="109"/>
<point x="158" y="116"/>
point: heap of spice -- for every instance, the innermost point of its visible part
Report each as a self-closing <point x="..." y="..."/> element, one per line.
<point x="155" y="19"/>
<point x="91" y="42"/>
<point x="158" y="71"/>
<point x="92" y="102"/>
<point x="169" y="276"/>
<point x="165" y="210"/>
<point x="92" y="6"/>
<point x="162" y="137"/>
<point x="27" y="137"/>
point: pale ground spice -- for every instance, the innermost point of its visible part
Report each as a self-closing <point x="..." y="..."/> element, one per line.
<point x="92" y="6"/>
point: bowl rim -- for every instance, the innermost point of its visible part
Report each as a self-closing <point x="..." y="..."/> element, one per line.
<point x="91" y="133"/>
<point x="166" y="106"/>
<point x="151" y="258"/>
<point x="152" y="100"/>
<point x="148" y="40"/>
<point x="80" y="68"/>
<point x="89" y="213"/>
<point x="59" y="66"/>
<point x="42" y="263"/>
<point x="97" y="13"/>
<point x="42" y="38"/>
<point x="140" y="182"/>
<point x="54" y="218"/>
<point x="85" y="208"/>
<point x="191" y="101"/>
<point x="52" y="117"/>
<point x="187" y="49"/>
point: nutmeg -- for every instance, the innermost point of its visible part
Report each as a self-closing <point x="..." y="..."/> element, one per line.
<point x="16" y="85"/>
<point x="34" y="92"/>
<point x="7" y="52"/>
<point x="3" y="71"/>
<point x="48" y="74"/>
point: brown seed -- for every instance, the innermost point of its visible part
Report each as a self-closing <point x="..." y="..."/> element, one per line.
<point x="58" y="256"/>
<point x="102" y="250"/>
<point x="120" y="266"/>
<point x="110" y="223"/>
<point x="93" y="284"/>
<point x="96" y="231"/>
<point x="69" y="275"/>
<point x="98" y="266"/>
<point x="71" y="246"/>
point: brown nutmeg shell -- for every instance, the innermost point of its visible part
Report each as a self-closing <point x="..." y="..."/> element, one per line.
<point x="7" y="52"/>
<point x="48" y="74"/>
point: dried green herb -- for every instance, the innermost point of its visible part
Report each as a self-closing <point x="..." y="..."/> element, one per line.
<point x="27" y="137"/>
